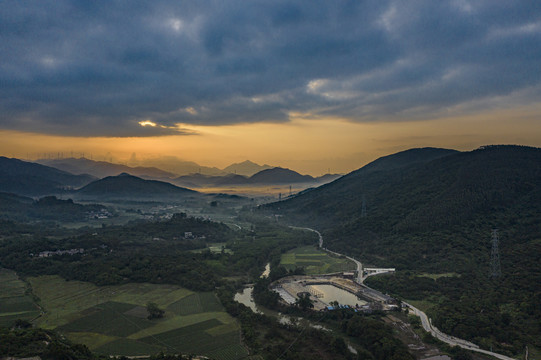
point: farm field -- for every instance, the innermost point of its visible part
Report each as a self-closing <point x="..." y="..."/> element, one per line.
<point x="15" y="303"/>
<point x="112" y="320"/>
<point x="315" y="261"/>
<point x="215" y="248"/>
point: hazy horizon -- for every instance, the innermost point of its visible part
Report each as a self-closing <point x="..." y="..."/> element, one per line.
<point x="165" y="162"/>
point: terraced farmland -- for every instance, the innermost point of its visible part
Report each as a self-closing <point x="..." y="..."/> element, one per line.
<point x="112" y="320"/>
<point x="15" y="303"/>
<point x="315" y="261"/>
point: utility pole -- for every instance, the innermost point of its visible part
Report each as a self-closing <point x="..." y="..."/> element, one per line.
<point x="495" y="267"/>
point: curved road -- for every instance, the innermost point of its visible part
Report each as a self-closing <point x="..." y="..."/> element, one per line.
<point x="451" y="340"/>
<point x="359" y="278"/>
<point x="425" y="321"/>
<point x="317" y="232"/>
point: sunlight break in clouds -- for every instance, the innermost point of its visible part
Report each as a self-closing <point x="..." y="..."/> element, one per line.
<point x="147" y="123"/>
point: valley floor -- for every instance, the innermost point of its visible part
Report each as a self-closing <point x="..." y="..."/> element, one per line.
<point x="112" y="320"/>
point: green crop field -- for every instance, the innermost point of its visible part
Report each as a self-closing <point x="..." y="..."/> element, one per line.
<point x="315" y="261"/>
<point x="112" y="320"/>
<point x="194" y="337"/>
<point x="109" y="318"/>
<point x="14" y="301"/>
<point x="215" y="248"/>
<point x="129" y="347"/>
<point x="195" y="304"/>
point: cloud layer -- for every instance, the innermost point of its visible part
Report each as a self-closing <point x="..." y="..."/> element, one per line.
<point x="100" y="68"/>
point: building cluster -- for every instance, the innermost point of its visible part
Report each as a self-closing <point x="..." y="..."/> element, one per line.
<point x="100" y="214"/>
<point x="162" y="212"/>
<point x="292" y="288"/>
<point x="157" y="217"/>
<point x="188" y="235"/>
<point x="45" y="254"/>
<point x="367" y="308"/>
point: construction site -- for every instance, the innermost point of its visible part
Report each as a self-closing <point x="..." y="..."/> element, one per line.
<point x="329" y="291"/>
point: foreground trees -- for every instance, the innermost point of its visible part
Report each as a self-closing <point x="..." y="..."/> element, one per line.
<point x="154" y="312"/>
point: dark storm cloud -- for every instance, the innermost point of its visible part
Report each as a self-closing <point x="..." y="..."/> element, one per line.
<point x="102" y="67"/>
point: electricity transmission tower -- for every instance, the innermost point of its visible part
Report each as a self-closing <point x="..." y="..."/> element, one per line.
<point x="495" y="268"/>
<point x="363" y="207"/>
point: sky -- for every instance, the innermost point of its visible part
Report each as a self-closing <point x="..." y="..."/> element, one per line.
<point x="312" y="85"/>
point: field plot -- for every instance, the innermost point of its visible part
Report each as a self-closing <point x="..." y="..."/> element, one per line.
<point x="215" y="248"/>
<point x="14" y="302"/>
<point x="315" y="261"/>
<point x="112" y="320"/>
<point x="195" y="304"/>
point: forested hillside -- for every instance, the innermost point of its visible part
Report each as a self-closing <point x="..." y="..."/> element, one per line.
<point x="157" y="252"/>
<point x="128" y="186"/>
<point x="26" y="178"/>
<point x="436" y="216"/>
<point x="48" y="208"/>
<point x="493" y="187"/>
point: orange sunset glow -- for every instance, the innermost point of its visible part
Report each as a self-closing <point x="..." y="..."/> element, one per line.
<point x="310" y="146"/>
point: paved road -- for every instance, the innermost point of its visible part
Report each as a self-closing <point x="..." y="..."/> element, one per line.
<point x="451" y="340"/>
<point x="425" y="321"/>
<point x="359" y="278"/>
<point x="317" y="232"/>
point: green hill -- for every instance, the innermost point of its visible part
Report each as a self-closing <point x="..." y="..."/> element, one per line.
<point x="279" y="175"/>
<point x="30" y="179"/>
<point x="19" y="208"/>
<point x="341" y="201"/>
<point x="432" y="211"/>
<point x="128" y="186"/>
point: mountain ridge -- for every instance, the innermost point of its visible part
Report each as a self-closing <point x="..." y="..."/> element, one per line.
<point x="126" y="185"/>
<point x="246" y="168"/>
<point x="364" y="210"/>
<point x="272" y="176"/>
<point x="32" y="179"/>
<point x="101" y="169"/>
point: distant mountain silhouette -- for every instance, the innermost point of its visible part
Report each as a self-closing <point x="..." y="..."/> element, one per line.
<point x="102" y="169"/>
<point x="279" y="175"/>
<point x="232" y="179"/>
<point x="180" y="167"/>
<point x="246" y="168"/>
<point x="31" y="179"/>
<point x="129" y="186"/>
<point x="327" y="178"/>
<point x="274" y="176"/>
<point x="199" y="180"/>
